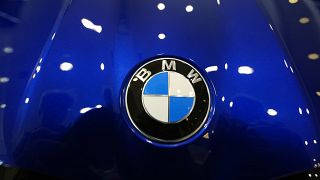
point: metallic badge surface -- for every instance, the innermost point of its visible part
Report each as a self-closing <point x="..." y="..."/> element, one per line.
<point x="167" y="100"/>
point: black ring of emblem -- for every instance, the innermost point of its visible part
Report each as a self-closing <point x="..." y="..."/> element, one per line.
<point x="161" y="132"/>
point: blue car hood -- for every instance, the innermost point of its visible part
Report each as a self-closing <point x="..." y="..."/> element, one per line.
<point x="61" y="111"/>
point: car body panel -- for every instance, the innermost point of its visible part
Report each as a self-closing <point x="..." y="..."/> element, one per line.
<point x="68" y="119"/>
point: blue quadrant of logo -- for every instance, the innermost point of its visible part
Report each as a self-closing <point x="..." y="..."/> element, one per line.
<point x="179" y="107"/>
<point x="157" y="85"/>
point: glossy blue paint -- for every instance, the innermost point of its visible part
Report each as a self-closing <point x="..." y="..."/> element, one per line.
<point x="67" y="118"/>
<point x="300" y="39"/>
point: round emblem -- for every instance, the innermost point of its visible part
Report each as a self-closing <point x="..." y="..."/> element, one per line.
<point x="168" y="100"/>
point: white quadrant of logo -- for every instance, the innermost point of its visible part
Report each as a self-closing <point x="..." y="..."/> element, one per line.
<point x="168" y="97"/>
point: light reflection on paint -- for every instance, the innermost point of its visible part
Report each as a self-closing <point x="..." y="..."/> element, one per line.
<point x="90" y="25"/>
<point x="98" y="106"/>
<point x="307" y="111"/>
<point x="8" y="50"/>
<point x="54" y="34"/>
<point x="313" y="56"/>
<point x="223" y="99"/>
<point x="211" y="68"/>
<point x="285" y="62"/>
<point x="231" y="104"/>
<point x="38" y="69"/>
<point x="161" y="36"/>
<point x="271" y="27"/>
<point x="4" y="79"/>
<point x="2" y="106"/>
<point x="293" y="1"/>
<point x="86" y="109"/>
<point x="102" y="66"/>
<point x="272" y="112"/>
<point x="66" y="66"/>
<point x="226" y="66"/>
<point x="291" y="69"/>
<point x="161" y="6"/>
<point x="304" y="20"/>
<point x="245" y="70"/>
<point x="189" y="8"/>
<point x="27" y="100"/>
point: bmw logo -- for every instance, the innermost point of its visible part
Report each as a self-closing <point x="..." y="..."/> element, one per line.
<point x="168" y="100"/>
